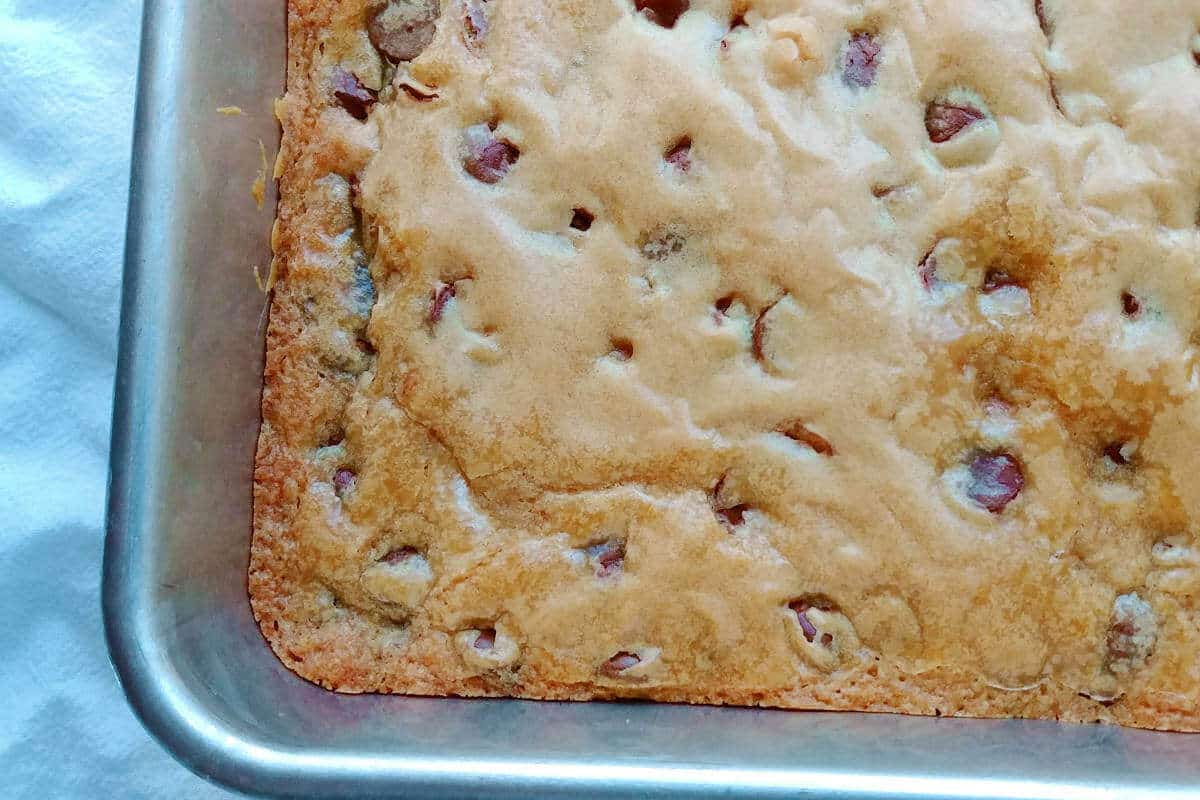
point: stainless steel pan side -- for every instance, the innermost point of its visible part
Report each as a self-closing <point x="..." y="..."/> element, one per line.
<point x="179" y="626"/>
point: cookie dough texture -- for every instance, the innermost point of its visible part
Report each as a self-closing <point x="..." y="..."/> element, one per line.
<point x="717" y="446"/>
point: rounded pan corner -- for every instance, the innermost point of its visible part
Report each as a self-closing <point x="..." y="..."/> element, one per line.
<point x="194" y="738"/>
<point x="189" y="731"/>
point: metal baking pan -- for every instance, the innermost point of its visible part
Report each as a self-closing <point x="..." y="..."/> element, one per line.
<point x="179" y="627"/>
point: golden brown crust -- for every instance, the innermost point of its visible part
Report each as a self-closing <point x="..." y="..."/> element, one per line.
<point x="724" y="445"/>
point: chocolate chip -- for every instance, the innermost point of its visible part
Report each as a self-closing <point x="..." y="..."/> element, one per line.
<point x="1130" y="305"/>
<point x="421" y="95"/>
<point x="334" y="436"/>
<point x="1118" y="635"/>
<point x="344" y="481"/>
<point x="1115" y="452"/>
<point x="622" y="349"/>
<point x="944" y="121"/>
<point x="996" y="480"/>
<point x="581" y="219"/>
<point x="733" y="516"/>
<point x="402" y="29"/>
<point x="486" y="639"/>
<point x="1044" y="22"/>
<point x="1054" y="96"/>
<point x="927" y="271"/>
<point x="730" y="516"/>
<point x="352" y="95"/>
<point x="1132" y="632"/>
<point x="443" y="293"/>
<point x="488" y="159"/>
<point x="997" y="279"/>
<point x="475" y="21"/>
<point x="758" y="336"/>
<point x="620" y="662"/>
<point x="799" y="433"/>
<point x="609" y="557"/>
<point x="679" y="155"/>
<point x="810" y="630"/>
<point x="492" y="162"/>
<point x="861" y="61"/>
<point x="721" y="308"/>
<point x="800" y="608"/>
<point x="399" y="556"/>
<point x="662" y="12"/>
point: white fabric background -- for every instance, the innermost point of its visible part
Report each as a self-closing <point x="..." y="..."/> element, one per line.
<point x="67" y="71"/>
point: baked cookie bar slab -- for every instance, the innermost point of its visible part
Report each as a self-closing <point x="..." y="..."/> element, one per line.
<point x="802" y="354"/>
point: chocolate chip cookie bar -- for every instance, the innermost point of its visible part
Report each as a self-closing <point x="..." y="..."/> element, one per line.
<point x="800" y="354"/>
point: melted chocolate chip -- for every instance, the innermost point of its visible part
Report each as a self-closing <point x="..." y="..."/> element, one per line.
<point x="622" y="349"/>
<point x="800" y="434"/>
<point x="806" y="626"/>
<point x="488" y="159"/>
<point x="927" y="271"/>
<point x="609" y="557"/>
<point x="1132" y="633"/>
<point x="944" y="121"/>
<point x="344" y="481"/>
<point x="1044" y="22"/>
<point x="582" y="219"/>
<point x="733" y="516"/>
<point x="475" y="21"/>
<point x="861" y="61"/>
<point x="417" y="93"/>
<point x="399" y="556"/>
<point x="1054" y="96"/>
<point x="996" y="480"/>
<point x="759" y="334"/>
<point x="662" y="12"/>
<point x="729" y="516"/>
<point x="443" y="293"/>
<point x="353" y="96"/>
<point x="1114" y="452"/>
<point x="1130" y="305"/>
<point x="402" y="29"/>
<point x="998" y="279"/>
<point x="620" y="662"/>
<point x="680" y="155"/>
<point x="800" y="608"/>
<point x="335" y="436"/>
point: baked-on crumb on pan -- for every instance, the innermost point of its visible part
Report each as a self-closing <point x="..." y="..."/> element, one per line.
<point x="812" y="355"/>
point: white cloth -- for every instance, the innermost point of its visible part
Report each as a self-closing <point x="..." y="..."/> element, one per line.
<point x="67" y="71"/>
